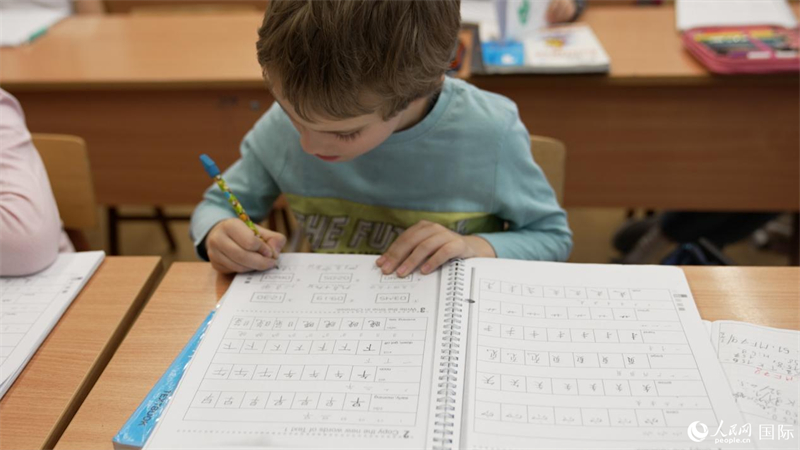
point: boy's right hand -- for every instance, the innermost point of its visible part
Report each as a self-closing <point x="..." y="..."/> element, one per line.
<point x="232" y="247"/>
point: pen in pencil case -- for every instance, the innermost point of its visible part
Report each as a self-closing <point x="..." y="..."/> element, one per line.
<point x="213" y="172"/>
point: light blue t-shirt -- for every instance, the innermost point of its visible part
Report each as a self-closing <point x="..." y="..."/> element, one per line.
<point x="467" y="165"/>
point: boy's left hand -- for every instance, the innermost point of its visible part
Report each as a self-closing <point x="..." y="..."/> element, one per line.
<point x="434" y="243"/>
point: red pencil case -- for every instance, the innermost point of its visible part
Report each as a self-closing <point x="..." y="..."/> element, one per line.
<point x="745" y="49"/>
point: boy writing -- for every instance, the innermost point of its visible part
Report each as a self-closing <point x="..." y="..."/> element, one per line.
<point x="377" y="151"/>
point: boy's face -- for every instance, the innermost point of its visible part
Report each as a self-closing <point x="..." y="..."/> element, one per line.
<point x="341" y="140"/>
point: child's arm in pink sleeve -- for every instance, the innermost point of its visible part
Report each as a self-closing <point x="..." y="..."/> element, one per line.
<point x="30" y="228"/>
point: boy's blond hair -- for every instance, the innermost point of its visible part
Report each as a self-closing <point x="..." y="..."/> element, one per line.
<point x="345" y="58"/>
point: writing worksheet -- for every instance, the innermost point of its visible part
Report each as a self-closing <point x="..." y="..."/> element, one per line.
<point x="763" y="369"/>
<point x="583" y="356"/>
<point x="30" y="306"/>
<point x="328" y="352"/>
<point x="313" y="354"/>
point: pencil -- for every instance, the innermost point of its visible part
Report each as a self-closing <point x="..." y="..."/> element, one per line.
<point x="214" y="173"/>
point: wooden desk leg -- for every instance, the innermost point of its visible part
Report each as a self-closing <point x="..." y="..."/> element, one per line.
<point x="794" y="241"/>
<point x="113" y="230"/>
<point x="163" y="220"/>
<point x="115" y="218"/>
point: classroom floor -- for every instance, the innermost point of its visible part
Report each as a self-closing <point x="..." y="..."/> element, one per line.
<point x="592" y="228"/>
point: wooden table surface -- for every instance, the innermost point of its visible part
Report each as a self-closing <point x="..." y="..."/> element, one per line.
<point x="186" y="50"/>
<point x="186" y="295"/>
<point x="42" y="401"/>
<point x="657" y="132"/>
<point x="764" y="296"/>
<point x="768" y="296"/>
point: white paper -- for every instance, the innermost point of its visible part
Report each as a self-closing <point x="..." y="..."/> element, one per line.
<point x="709" y="13"/>
<point x="505" y="19"/>
<point x="708" y="324"/>
<point x="590" y="356"/>
<point x="21" y="20"/>
<point x="763" y="369"/>
<point x="483" y="13"/>
<point x="323" y="352"/>
<point x="522" y="18"/>
<point x="31" y="306"/>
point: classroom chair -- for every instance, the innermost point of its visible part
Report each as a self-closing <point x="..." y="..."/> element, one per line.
<point x="551" y="155"/>
<point x="67" y="163"/>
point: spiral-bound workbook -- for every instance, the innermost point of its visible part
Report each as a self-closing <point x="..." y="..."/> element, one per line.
<point x="328" y="352"/>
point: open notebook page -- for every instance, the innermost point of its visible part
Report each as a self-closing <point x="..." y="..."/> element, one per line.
<point x="30" y="306"/>
<point x="763" y="369"/>
<point x="324" y="351"/>
<point x="589" y="356"/>
<point x="21" y="21"/>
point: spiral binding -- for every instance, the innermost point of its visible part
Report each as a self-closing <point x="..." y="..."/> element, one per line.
<point x="448" y="358"/>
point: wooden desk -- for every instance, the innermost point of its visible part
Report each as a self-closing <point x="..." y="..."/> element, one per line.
<point x="765" y="296"/>
<point x="39" y="406"/>
<point x="150" y="93"/>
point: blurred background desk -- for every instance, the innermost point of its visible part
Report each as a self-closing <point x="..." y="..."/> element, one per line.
<point x="149" y="93"/>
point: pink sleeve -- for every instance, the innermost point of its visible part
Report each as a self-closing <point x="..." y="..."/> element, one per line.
<point x="30" y="228"/>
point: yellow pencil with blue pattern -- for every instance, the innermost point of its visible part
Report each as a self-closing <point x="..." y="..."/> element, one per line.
<point x="214" y="173"/>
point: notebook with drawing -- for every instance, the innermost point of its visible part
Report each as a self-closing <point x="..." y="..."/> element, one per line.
<point x="570" y="48"/>
<point x="762" y="365"/>
<point x="328" y="352"/>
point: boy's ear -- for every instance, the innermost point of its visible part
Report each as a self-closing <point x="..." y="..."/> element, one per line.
<point x="267" y="78"/>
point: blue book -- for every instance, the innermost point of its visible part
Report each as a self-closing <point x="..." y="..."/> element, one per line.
<point x="137" y="429"/>
<point x="503" y="53"/>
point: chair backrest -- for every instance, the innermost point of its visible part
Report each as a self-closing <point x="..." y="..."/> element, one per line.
<point x="67" y="163"/>
<point x="551" y="155"/>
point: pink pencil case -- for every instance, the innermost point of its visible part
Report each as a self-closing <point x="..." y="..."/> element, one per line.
<point x="745" y="49"/>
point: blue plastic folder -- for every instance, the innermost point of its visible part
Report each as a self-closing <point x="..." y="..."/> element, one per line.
<point x="137" y="429"/>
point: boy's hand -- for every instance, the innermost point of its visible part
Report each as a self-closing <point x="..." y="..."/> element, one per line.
<point x="232" y="247"/>
<point x="560" y="11"/>
<point x="434" y="243"/>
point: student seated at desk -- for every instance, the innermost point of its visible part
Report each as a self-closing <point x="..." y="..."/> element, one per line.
<point x="376" y="151"/>
<point x="30" y="228"/>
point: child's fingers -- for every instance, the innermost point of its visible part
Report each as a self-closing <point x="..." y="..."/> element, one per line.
<point x="244" y="237"/>
<point x="559" y="11"/>
<point x="448" y="251"/>
<point x="550" y="15"/>
<point x="277" y="244"/>
<point x="422" y="251"/>
<point x="405" y="244"/>
<point x="219" y="267"/>
<point x="567" y="11"/>
<point x="274" y="240"/>
<point x="223" y="264"/>
<point x="251" y="260"/>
